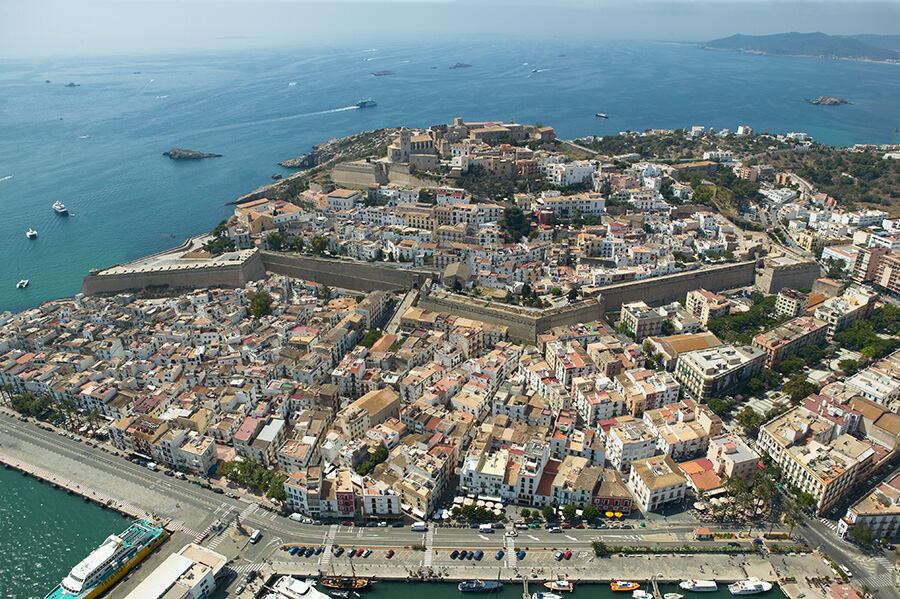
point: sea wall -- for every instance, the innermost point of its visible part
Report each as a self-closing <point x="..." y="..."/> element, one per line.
<point x="346" y="274"/>
<point x="669" y="288"/>
<point x="184" y="277"/>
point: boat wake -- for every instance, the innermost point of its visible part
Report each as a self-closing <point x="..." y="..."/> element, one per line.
<point x="292" y="84"/>
<point x="277" y="119"/>
<point x="6" y="178"/>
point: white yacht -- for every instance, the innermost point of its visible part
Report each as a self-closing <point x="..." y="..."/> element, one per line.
<point x="292" y="588"/>
<point x="673" y="596"/>
<point x="22" y="284"/>
<point x="639" y="594"/>
<point x="750" y="586"/>
<point x="31" y="233"/>
<point x="699" y="586"/>
<point x="60" y="208"/>
<point x="543" y="595"/>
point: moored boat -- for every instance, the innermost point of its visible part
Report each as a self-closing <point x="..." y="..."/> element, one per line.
<point x="639" y="594"/>
<point x="673" y="596"/>
<point x="560" y="585"/>
<point x="105" y="565"/>
<point x="699" y="586"/>
<point x="624" y="585"/>
<point x="287" y="587"/>
<point x="543" y="595"/>
<point x="749" y="586"/>
<point x="344" y="583"/>
<point x="479" y="586"/>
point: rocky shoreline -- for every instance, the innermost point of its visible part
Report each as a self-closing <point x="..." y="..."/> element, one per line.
<point x="342" y="148"/>
<point x="185" y="154"/>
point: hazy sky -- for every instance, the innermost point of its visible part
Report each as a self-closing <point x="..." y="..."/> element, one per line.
<point x="38" y="28"/>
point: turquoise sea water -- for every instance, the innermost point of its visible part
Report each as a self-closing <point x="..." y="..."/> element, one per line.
<point x="98" y="147"/>
<point x="45" y="532"/>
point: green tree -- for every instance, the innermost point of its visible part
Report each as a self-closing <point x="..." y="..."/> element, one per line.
<point x="569" y="512"/>
<point x="261" y="304"/>
<point x="719" y="405"/>
<point x="297" y="244"/>
<point x="318" y="245"/>
<point x="514" y="224"/>
<point x="548" y="513"/>
<point x="750" y="420"/>
<point x="601" y="549"/>
<point x="862" y="534"/>
<point x="275" y="241"/>
<point x="526" y="513"/>
<point x="798" y="388"/>
<point x="572" y="295"/>
<point x="590" y="512"/>
<point x="848" y="366"/>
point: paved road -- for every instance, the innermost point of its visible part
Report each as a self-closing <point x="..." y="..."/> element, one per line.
<point x="872" y="570"/>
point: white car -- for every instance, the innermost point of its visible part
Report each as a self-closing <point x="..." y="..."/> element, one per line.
<point x="511" y="533"/>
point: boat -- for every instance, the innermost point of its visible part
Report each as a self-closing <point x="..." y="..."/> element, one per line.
<point x="292" y="588"/>
<point x="601" y="115"/>
<point x="113" y="559"/>
<point x="345" y="583"/>
<point x="639" y="594"/>
<point x="699" y="586"/>
<point x="749" y="586"/>
<point x="60" y="208"/>
<point x="560" y="585"/>
<point x="31" y="233"/>
<point x="340" y="594"/>
<point x="624" y="585"/>
<point x="543" y="595"/>
<point x="673" y="596"/>
<point x="22" y="284"/>
<point x="367" y="103"/>
<point x="479" y="586"/>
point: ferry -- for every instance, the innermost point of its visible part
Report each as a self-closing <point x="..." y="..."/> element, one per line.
<point x="60" y="208"/>
<point x="750" y="586"/>
<point x="624" y="585"/>
<point x="31" y="233"/>
<point x="560" y="585"/>
<point x="368" y="103"/>
<point x="292" y="588"/>
<point x="479" y="586"/>
<point x="699" y="586"/>
<point x="105" y="565"/>
<point x="22" y="284"/>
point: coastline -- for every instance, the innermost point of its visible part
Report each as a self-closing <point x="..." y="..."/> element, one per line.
<point x="704" y="46"/>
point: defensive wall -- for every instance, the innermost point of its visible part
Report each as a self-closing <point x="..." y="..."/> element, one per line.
<point x="368" y="174"/>
<point x="524" y="324"/>
<point x="190" y="275"/>
<point x="343" y="273"/>
<point x="669" y="288"/>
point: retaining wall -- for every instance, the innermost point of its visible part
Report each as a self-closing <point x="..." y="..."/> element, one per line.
<point x="346" y="274"/>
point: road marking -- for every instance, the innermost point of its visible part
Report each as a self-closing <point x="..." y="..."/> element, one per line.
<point x="571" y="538"/>
<point x="511" y="551"/>
<point x="429" y="547"/>
<point x="533" y="538"/>
<point x="484" y="537"/>
<point x="325" y="558"/>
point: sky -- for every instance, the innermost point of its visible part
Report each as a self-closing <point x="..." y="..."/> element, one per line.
<point x="51" y="28"/>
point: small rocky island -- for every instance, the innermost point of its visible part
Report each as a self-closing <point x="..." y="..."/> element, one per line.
<point x="827" y="101"/>
<point x="461" y="65"/>
<point x="185" y="154"/>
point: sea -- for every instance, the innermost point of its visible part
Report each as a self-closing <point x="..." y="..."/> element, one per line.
<point x="45" y="532"/>
<point x="97" y="146"/>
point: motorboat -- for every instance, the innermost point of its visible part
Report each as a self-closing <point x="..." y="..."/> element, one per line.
<point x="624" y="585"/>
<point x="31" y="233"/>
<point x="560" y="585"/>
<point x="60" y="208"/>
<point x="543" y="595"/>
<point x="673" y="596"/>
<point x="749" y="586"/>
<point x="699" y="586"/>
<point x="601" y="115"/>
<point x="367" y="103"/>
<point x="639" y="594"/>
<point x="479" y="586"/>
<point x="22" y="284"/>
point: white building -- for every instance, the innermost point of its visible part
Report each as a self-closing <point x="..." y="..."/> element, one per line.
<point x="656" y="481"/>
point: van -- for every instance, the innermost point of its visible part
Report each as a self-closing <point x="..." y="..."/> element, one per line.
<point x="419" y="527"/>
<point x="180" y="476"/>
<point x="486" y="528"/>
<point x="255" y="537"/>
<point x="151" y="466"/>
<point x="296" y="517"/>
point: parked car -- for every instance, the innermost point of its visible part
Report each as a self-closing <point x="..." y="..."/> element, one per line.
<point x="367" y="553"/>
<point x="567" y="554"/>
<point x="479" y="554"/>
<point x="499" y="555"/>
<point x="454" y="554"/>
<point x="352" y="552"/>
<point x="389" y="554"/>
<point x="554" y="529"/>
<point x="511" y="533"/>
<point x="558" y="555"/>
<point x="346" y="523"/>
<point x="397" y="524"/>
<point x="337" y="551"/>
<point x="566" y="526"/>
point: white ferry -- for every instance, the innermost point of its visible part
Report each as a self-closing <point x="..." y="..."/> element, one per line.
<point x="750" y="586"/>
<point x="699" y="586"/>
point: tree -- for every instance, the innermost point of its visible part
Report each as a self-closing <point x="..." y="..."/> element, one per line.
<point x="526" y="513"/>
<point x="601" y="549"/>
<point x="798" y="388"/>
<point x="750" y="420"/>
<point x="261" y="304"/>
<point x="862" y="534"/>
<point x="720" y="406"/>
<point x="275" y="241"/>
<point x="569" y="512"/>
<point x="572" y="295"/>
<point x="325" y="292"/>
<point x="548" y="513"/>
<point x="590" y="512"/>
<point x="848" y="366"/>
<point x="297" y="244"/>
<point x="791" y="365"/>
<point x="514" y="224"/>
<point x="318" y="244"/>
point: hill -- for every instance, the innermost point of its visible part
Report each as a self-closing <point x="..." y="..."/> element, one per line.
<point x="867" y="47"/>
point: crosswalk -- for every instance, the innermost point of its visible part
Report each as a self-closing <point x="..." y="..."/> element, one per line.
<point x="429" y="547"/>
<point x="511" y="552"/>
<point x="325" y="558"/>
<point x="831" y="524"/>
<point x="882" y="581"/>
<point x="878" y="579"/>
<point x="244" y="568"/>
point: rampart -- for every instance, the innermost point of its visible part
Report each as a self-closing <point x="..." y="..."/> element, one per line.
<point x="668" y="288"/>
<point x="524" y="324"/>
<point x="346" y="274"/>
